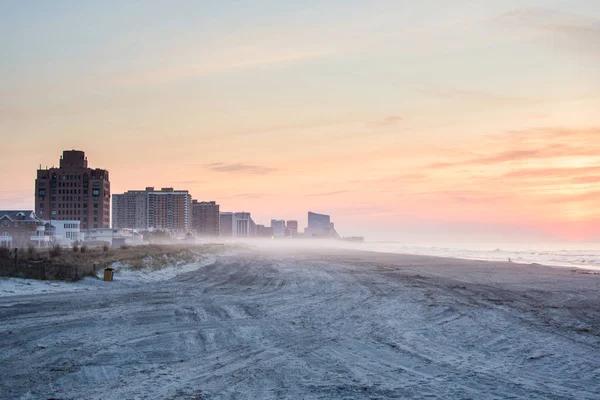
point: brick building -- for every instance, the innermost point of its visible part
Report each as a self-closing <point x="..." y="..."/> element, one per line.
<point x="74" y="192"/>
<point x="21" y="228"/>
<point x="205" y="218"/>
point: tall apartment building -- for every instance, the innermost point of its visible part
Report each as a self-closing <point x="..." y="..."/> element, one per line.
<point x="205" y="218"/>
<point x="170" y="209"/>
<point x="158" y="209"/>
<point x="130" y="209"/>
<point x="73" y="191"/>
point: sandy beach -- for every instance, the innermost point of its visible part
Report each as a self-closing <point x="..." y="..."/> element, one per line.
<point x="318" y="324"/>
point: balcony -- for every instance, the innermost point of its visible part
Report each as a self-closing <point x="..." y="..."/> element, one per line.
<point x="40" y="240"/>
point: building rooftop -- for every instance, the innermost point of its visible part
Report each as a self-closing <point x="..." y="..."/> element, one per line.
<point x="19" y="215"/>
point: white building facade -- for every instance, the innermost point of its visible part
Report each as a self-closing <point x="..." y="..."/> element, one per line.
<point x="66" y="232"/>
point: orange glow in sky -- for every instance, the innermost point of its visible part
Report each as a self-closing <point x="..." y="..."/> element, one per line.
<point x="433" y="120"/>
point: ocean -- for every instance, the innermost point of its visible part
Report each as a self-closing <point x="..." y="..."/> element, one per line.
<point x="580" y="255"/>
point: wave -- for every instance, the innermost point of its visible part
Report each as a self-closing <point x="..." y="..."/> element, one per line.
<point x="580" y="255"/>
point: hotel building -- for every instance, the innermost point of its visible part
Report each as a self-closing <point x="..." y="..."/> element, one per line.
<point x="166" y="208"/>
<point x="73" y="191"/>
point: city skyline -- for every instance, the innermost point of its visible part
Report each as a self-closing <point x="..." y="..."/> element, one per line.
<point x="429" y="122"/>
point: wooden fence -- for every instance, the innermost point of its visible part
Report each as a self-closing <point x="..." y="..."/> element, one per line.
<point x="45" y="270"/>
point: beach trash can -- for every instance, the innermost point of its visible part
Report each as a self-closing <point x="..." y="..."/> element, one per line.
<point x="108" y="274"/>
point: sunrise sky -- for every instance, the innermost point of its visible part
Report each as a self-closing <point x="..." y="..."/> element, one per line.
<point x="402" y="119"/>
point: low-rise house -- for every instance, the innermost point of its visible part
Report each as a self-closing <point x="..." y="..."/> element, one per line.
<point x="21" y="228"/>
<point x="100" y="236"/>
<point x="65" y="232"/>
<point x="132" y="237"/>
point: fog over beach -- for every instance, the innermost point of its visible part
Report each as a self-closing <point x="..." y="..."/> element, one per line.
<point x="300" y="200"/>
<point x="313" y="323"/>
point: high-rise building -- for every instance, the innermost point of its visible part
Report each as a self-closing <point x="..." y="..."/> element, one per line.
<point x="243" y="225"/>
<point x="226" y="224"/>
<point x="278" y="226"/>
<point x="320" y="225"/>
<point x="119" y="211"/>
<point x="167" y="209"/>
<point x="170" y="209"/>
<point x="237" y="224"/>
<point x="205" y="218"/>
<point x="130" y="209"/>
<point x="74" y="192"/>
<point x="291" y="228"/>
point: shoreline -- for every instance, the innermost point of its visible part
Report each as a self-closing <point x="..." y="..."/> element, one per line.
<point x="534" y="253"/>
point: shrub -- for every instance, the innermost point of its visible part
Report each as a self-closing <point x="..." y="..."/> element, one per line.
<point x="83" y="248"/>
<point x="105" y="248"/>
<point x="31" y="252"/>
<point x="75" y="248"/>
<point x="4" y="253"/>
<point x="56" y="251"/>
<point x="124" y="247"/>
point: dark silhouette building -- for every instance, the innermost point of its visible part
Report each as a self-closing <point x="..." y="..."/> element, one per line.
<point x="205" y="218"/>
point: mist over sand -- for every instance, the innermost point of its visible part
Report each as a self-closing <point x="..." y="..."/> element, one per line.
<point x="311" y="322"/>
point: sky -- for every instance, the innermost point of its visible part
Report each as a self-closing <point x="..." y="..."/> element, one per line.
<point x="428" y="120"/>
